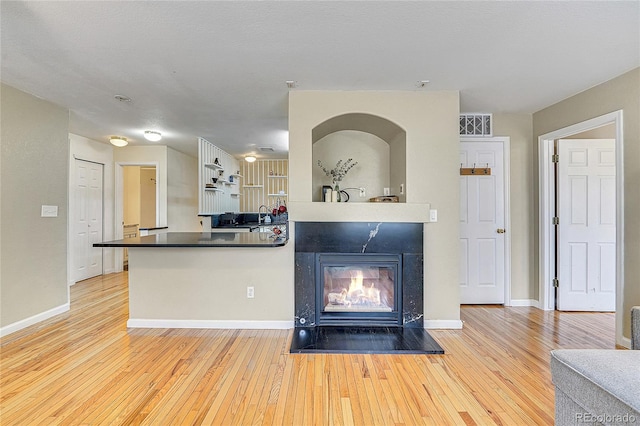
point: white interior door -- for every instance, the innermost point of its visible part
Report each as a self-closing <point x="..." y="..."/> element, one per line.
<point x="587" y="228"/>
<point x="87" y="219"/>
<point x="482" y="225"/>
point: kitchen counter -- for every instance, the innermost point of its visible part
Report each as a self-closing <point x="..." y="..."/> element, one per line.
<point x="200" y="239"/>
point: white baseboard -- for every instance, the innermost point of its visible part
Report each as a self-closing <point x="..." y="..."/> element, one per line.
<point x="524" y="302"/>
<point x="443" y="324"/>
<point x="19" y="325"/>
<point x="219" y="324"/>
<point x="625" y="341"/>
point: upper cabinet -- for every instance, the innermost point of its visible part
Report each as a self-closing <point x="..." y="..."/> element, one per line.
<point x="219" y="180"/>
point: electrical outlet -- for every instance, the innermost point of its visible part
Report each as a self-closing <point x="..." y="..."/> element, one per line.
<point x="402" y="189"/>
<point x="250" y="292"/>
<point x="363" y="193"/>
<point x="385" y="191"/>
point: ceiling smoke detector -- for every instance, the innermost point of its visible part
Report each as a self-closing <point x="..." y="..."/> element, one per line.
<point x="122" y="98"/>
<point x="291" y="84"/>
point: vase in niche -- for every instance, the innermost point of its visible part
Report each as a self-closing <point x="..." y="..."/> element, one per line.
<point x="336" y="188"/>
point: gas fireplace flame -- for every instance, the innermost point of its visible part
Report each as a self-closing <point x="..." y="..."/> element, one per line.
<point x="361" y="294"/>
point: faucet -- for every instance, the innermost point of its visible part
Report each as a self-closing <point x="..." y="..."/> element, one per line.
<point x="266" y="210"/>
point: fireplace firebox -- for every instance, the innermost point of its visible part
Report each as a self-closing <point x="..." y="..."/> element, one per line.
<point x="359" y="289"/>
<point x="359" y="274"/>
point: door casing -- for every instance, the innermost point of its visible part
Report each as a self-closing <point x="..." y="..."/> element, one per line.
<point x="546" y="205"/>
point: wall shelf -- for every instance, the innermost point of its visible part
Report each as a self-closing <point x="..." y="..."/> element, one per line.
<point x="277" y="177"/>
<point x="235" y="175"/>
<point x="236" y="195"/>
<point x="253" y="186"/>
<point x="214" y="189"/>
<point x="213" y="166"/>
<point x="276" y="195"/>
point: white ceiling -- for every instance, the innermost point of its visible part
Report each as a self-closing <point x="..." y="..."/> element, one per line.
<point x="218" y="69"/>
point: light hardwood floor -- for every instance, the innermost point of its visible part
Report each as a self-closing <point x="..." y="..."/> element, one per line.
<point x="85" y="367"/>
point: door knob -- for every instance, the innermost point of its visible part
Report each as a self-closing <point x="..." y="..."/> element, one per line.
<point x="501" y="231"/>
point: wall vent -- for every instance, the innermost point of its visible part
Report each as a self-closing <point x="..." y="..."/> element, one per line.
<point x="476" y="125"/>
<point x="266" y="149"/>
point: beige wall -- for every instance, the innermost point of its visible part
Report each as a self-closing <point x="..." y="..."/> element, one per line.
<point x="131" y="195"/>
<point x="147" y="197"/>
<point x="369" y="151"/>
<point x="519" y="129"/>
<point x="34" y="170"/>
<point x="430" y="120"/>
<point x="182" y="192"/>
<point x="621" y="93"/>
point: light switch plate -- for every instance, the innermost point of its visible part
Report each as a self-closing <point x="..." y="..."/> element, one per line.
<point x="49" y="211"/>
<point x="433" y="215"/>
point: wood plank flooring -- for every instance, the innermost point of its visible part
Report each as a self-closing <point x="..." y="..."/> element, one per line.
<point x="85" y="368"/>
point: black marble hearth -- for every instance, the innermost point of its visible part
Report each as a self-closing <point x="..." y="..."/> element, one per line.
<point x="364" y="340"/>
<point x="351" y="238"/>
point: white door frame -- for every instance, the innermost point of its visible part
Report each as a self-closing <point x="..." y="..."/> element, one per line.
<point x="119" y="203"/>
<point x="506" y="169"/>
<point x="546" y="201"/>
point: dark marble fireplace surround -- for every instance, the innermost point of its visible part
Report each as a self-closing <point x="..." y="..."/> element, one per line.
<point x="405" y="239"/>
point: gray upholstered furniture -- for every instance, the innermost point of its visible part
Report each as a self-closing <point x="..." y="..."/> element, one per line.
<point x="598" y="386"/>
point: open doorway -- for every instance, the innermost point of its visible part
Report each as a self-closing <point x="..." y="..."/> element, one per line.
<point x="136" y="202"/>
<point x="580" y="145"/>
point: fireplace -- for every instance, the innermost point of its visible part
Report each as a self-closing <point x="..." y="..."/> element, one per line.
<point x="359" y="289"/>
<point x="359" y="274"/>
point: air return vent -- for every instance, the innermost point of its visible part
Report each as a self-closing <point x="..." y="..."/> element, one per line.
<point x="476" y="125"/>
<point x="266" y="149"/>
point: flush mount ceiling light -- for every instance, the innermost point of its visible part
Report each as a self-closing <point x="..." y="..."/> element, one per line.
<point x="118" y="141"/>
<point x="249" y="158"/>
<point x="152" y="136"/>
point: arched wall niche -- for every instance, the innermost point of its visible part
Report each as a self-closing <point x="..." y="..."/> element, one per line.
<point x="376" y="143"/>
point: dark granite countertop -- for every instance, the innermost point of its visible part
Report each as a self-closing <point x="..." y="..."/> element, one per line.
<point x="200" y="239"/>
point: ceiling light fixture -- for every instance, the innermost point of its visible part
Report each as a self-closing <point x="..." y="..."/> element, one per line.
<point x="118" y="141"/>
<point x="152" y="136"/>
<point x="249" y="158"/>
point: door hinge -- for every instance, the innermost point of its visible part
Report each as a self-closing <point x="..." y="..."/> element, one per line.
<point x="556" y="282"/>
<point x="555" y="220"/>
<point x="555" y="158"/>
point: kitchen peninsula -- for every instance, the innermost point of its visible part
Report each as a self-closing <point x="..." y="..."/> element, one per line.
<point x="206" y="279"/>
